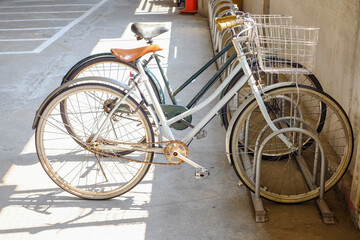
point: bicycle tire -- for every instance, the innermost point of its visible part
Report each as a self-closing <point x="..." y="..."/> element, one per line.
<point x="106" y="65"/>
<point x="338" y="150"/>
<point x="85" y="170"/>
<point x="81" y="62"/>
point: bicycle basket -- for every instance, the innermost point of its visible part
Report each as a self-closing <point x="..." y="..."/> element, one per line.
<point x="286" y="49"/>
<point x="272" y="19"/>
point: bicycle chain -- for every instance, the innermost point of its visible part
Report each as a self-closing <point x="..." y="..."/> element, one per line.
<point x="131" y="144"/>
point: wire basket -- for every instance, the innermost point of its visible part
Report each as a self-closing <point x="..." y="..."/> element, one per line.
<point x="271" y="19"/>
<point x="286" y="49"/>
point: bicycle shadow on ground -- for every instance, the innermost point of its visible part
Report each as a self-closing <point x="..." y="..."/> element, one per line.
<point x="54" y="209"/>
<point x="25" y="159"/>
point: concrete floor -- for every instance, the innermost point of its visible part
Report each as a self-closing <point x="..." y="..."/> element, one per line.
<point x="170" y="203"/>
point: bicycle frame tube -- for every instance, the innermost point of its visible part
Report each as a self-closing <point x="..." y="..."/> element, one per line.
<point x="172" y="93"/>
<point x="211" y="82"/>
<point x="207" y="65"/>
<point x="154" y="101"/>
<point x="166" y="123"/>
<point x="248" y="77"/>
<point x="218" y="105"/>
<point x="157" y="84"/>
<point x="165" y="79"/>
<point x="207" y="100"/>
<point x="255" y="91"/>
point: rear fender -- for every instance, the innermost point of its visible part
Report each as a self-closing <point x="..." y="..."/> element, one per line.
<point x="77" y="81"/>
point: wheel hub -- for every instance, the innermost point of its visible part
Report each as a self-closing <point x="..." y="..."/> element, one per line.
<point x="108" y="105"/>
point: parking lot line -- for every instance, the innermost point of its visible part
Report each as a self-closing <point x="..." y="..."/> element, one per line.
<point x="23" y="40"/>
<point x="12" y="13"/>
<point x="29" y="29"/>
<point x="45" y="41"/>
<point x="50" y="5"/>
<point x="38" y="19"/>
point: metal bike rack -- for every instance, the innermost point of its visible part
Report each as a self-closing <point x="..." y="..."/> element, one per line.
<point x="219" y="8"/>
<point x="212" y="5"/>
<point x="260" y="214"/>
<point x="217" y="36"/>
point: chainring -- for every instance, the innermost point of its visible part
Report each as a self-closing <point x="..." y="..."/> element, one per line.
<point x="173" y="149"/>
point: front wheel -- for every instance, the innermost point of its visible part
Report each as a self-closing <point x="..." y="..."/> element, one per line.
<point x="81" y="166"/>
<point x="281" y="181"/>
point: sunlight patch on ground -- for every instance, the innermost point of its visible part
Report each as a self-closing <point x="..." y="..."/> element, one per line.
<point x="60" y="214"/>
<point x="156" y="7"/>
<point x="29" y="147"/>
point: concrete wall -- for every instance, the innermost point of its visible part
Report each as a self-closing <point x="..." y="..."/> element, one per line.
<point x="203" y="8"/>
<point x="256" y="6"/>
<point x="337" y="64"/>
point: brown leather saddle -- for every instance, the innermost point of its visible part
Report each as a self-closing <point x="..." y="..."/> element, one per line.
<point x="145" y="31"/>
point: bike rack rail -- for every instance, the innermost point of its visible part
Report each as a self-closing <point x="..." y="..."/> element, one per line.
<point x="260" y="214"/>
<point x="220" y="8"/>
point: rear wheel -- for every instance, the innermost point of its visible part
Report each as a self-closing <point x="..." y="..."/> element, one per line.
<point x="109" y="67"/>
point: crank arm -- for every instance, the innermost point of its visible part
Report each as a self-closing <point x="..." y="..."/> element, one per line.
<point x="185" y="159"/>
<point x="200" y="172"/>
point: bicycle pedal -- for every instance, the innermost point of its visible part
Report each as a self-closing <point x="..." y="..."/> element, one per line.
<point x="201" y="173"/>
<point x="201" y="134"/>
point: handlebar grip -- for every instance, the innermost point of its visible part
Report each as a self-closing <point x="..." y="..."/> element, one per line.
<point x="228" y="22"/>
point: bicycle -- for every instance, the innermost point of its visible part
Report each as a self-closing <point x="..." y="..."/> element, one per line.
<point x="107" y="65"/>
<point x="111" y="142"/>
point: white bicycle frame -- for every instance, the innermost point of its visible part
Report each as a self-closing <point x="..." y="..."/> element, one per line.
<point x="248" y="77"/>
<point x="165" y="123"/>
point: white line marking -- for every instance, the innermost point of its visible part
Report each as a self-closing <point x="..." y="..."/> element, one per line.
<point x="55" y="5"/>
<point x="11" y="13"/>
<point x="23" y="52"/>
<point x="58" y="34"/>
<point x="65" y="29"/>
<point x="29" y="29"/>
<point x="23" y="39"/>
<point x="38" y="19"/>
